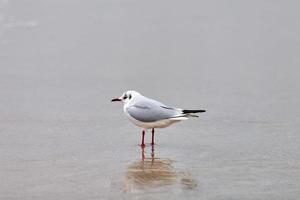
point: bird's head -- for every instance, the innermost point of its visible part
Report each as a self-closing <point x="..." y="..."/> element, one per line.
<point x="127" y="96"/>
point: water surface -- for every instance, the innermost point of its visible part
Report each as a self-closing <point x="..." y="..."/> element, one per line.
<point x="62" y="61"/>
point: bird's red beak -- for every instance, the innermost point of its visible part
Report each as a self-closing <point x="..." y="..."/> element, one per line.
<point x="116" y="99"/>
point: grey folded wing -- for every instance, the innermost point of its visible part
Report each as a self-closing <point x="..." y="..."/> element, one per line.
<point x="152" y="111"/>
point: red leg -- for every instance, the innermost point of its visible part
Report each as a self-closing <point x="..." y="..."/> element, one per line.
<point x="152" y="142"/>
<point x="143" y="138"/>
<point x="152" y="153"/>
<point x="143" y="153"/>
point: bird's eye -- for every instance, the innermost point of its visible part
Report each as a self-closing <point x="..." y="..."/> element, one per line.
<point x="125" y="97"/>
<point x="129" y="96"/>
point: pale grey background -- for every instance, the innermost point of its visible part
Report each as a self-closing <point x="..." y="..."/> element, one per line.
<point x="61" y="61"/>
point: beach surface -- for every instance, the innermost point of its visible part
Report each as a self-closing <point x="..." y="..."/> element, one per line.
<point x="62" y="61"/>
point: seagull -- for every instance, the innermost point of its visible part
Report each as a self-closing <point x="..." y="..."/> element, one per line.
<point x="150" y="114"/>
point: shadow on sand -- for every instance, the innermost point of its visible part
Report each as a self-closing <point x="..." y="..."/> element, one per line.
<point x="152" y="172"/>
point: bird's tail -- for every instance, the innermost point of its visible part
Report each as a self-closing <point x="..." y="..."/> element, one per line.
<point x="190" y="112"/>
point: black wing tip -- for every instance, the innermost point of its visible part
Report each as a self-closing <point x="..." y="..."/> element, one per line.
<point x="192" y="111"/>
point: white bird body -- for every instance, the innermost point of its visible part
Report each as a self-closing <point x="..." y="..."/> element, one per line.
<point x="138" y="99"/>
<point x="150" y="114"/>
<point x="158" y="124"/>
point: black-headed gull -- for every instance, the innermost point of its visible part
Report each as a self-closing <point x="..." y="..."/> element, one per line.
<point x="150" y="114"/>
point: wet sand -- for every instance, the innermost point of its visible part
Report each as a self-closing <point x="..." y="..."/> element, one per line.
<point x="62" y="61"/>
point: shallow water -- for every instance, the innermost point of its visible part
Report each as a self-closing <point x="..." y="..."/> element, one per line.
<point x="62" y="61"/>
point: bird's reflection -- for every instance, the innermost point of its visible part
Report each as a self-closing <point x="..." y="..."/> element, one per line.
<point x="152" y="172"/>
